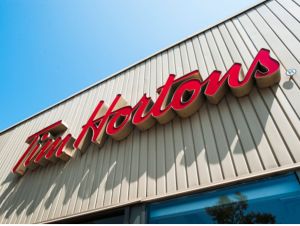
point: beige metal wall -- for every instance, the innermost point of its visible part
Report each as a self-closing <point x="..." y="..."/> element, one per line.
<point x="236" y="139"/>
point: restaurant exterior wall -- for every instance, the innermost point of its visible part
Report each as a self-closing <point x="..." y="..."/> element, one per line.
<point x="236" y="140"/>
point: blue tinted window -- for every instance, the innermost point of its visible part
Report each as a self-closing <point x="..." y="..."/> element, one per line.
<point x="271" y="200"/>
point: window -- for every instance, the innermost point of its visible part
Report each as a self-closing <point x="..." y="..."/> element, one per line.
<point x="270" y="200"/>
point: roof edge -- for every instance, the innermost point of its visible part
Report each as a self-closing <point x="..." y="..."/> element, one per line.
<point x="259" y="2"/>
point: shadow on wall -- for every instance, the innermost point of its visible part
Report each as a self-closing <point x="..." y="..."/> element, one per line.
<point x="82" y="176"/>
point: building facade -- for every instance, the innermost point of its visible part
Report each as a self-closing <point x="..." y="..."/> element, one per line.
<point x="226" y="156"/>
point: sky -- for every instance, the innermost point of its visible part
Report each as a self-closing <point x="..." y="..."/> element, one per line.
<point x="51" y="49"/>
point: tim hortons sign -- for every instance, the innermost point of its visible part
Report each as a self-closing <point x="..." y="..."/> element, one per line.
<point x="178" y="96"/>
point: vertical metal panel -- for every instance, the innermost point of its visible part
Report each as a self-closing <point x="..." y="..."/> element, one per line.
<point x="237" y="138"/>
<point x="177" y="131"/>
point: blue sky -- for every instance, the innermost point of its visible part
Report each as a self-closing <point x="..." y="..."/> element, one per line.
<point x="51" y="49"/>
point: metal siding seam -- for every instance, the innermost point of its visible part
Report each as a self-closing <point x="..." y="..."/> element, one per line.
<point x="111" y="151"/>
<point x="133" y="186"/>
<point x="160" y="137"/>
<point x="285" y="17"/>
<point x="104" y="174"/>
<point x="3" y="157"/>
<point x="126" y="172"/>
<point x="191" y="55"/>
<point x="87" y="192"/>
<point x="282" y="127"/>
<point x="18" y="142"/>
<point x="246" y="60"/>
<point x="297" y="2"/>
<point x="291" y="8"/>
<point x="205" y="176"/>
<point x="27" y="189"/>
<point x="257" y="132"/>
<point x="218" y="129"/>
<point x="171" y="184"/>
<point x="213" y="156"/>
<point x="171" y="69"/>
<point x="285" y="129"/>
<point x="50" y="200"/>
<point x="235" y="56"/>
<point x="56" y="192"/>
<point x="202" y="166"/>
<point x="237" y="154"/>
<point x="51" y="175"/>
<point x="4" y="139"/>
<point x="118" y="172"/>
<point x="81" y="163"/>
<point x="170" y="166"/>
<point x="151" y="175"/>
<point x="85" y="114"/>
<point x="98" y="180"/>
<point x="127" y="150"/>
<point x="99" y="161"/>
<point x="120" y="163"/>
<point x="286" y="58"/>
<point x="97" y="157"/>
<point x="9" y="161"/>
<point x="66" y="114"/>
<point x="125" y="182"/>
<point x="286" y="37"/>
<point x="132" y="194"/>
<point x="271" y="126"/>
<point x="291" y="134"/>
<point x="188" y="142"/>
<point x="179" y="67"/>
<point x="242" y="129"/>
<point x="192" y="65"/>
<point x="91" y="162"/>
<point x="50" y="171"/>
<point x="118" y="175"/>
<point x="14" y="194"/>
<point x="274" y="136"/>
<point x="142" y="178"/>
<point x="110" y="175"/>
<point x="284" y="101"/>
<point x="279" y="94"/>
<point x="224" y="158"/>
<point x="142" y="161"/>
<point x="48" y="187"/>
<point x="40" y="175"/>
<point x="113" y="158"/>
<point x="177" y="130"/>
<point x="108" y="154"/>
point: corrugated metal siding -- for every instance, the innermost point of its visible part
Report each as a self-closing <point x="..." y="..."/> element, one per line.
<point x="237" y="138"/>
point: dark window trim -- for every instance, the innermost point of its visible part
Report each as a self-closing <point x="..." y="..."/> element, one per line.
<point x="94" y="216"/>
